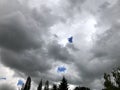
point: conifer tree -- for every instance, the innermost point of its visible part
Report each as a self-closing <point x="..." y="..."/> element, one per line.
<point x="64" y="84"/>
<point x="27" y="84"/>
<point x="46" y="85"/>
<point x="40" y="85"/>
<point x="54" y="87"/>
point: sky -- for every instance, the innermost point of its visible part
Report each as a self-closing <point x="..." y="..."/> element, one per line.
<point x="34" y="41"/>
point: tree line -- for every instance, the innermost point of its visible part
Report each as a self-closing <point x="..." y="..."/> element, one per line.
<point x="111" y="82"/>
<point x="62" y="86"/>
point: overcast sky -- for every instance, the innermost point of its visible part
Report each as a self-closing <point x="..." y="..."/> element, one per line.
<point x="33" y="41"/>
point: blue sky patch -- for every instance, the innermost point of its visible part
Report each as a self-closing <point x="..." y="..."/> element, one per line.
<point x="61" y="69"/>
<point x="20" y="82"/>
<point x="70" y="40"/>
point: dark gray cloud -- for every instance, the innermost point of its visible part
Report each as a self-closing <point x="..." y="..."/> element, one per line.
<point x="107" y="44"/>
<point x="72" y="47"/>
<point x="59" y="52"/>
<point x="15" y="34"/>
<point x="44" y="17"/>
<point x="107" y="47"/>
<point x="68" y="9"/>
<point x="24" y="42"/>
<point x="21" y="40"/>
<point x="6" y="87"/>
<point x="75" y="6"/>
<point x="26" y="62"/>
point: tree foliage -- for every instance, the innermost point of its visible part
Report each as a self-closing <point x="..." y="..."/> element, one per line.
<point x="54" y="87"/>
<point x="64" y="84"/>
<point x="27" y="84"/>
<point x="112" y="80"/>
<point x="40" y="85"/>
<point x="46" y="85"/>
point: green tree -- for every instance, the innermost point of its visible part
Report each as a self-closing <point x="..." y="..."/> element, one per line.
<point x="112" y="80"/>
<point x="46" y="85"/>
<point x="64" y="84"/>
<point x="54" y="87"/>
<point x="27" y="84"/>
<point x="40" y="85"/>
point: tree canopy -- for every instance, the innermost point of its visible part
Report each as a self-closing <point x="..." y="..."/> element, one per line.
<point x="112" y="80"/>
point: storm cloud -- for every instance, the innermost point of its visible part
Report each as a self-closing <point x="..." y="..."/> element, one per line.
<point x="24" y="40"/>
<point x="29" y="48"/>
<point x="6" y="87"/>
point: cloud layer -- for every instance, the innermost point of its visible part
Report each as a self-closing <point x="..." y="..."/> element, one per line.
<point x="31" y="34"/>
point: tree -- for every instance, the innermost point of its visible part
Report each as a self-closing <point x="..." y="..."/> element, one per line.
<point x="46" y="85"/>
<point x="81" y="88"/>
<point x="54" y="87"/>
<point x="63" y="85"/>
<point x="108" y="83"/>
<point x="27" y="84"/>
<point x="112" y="80"/>
<point x="40" y="85"/>
<point x="77" y="88"/>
